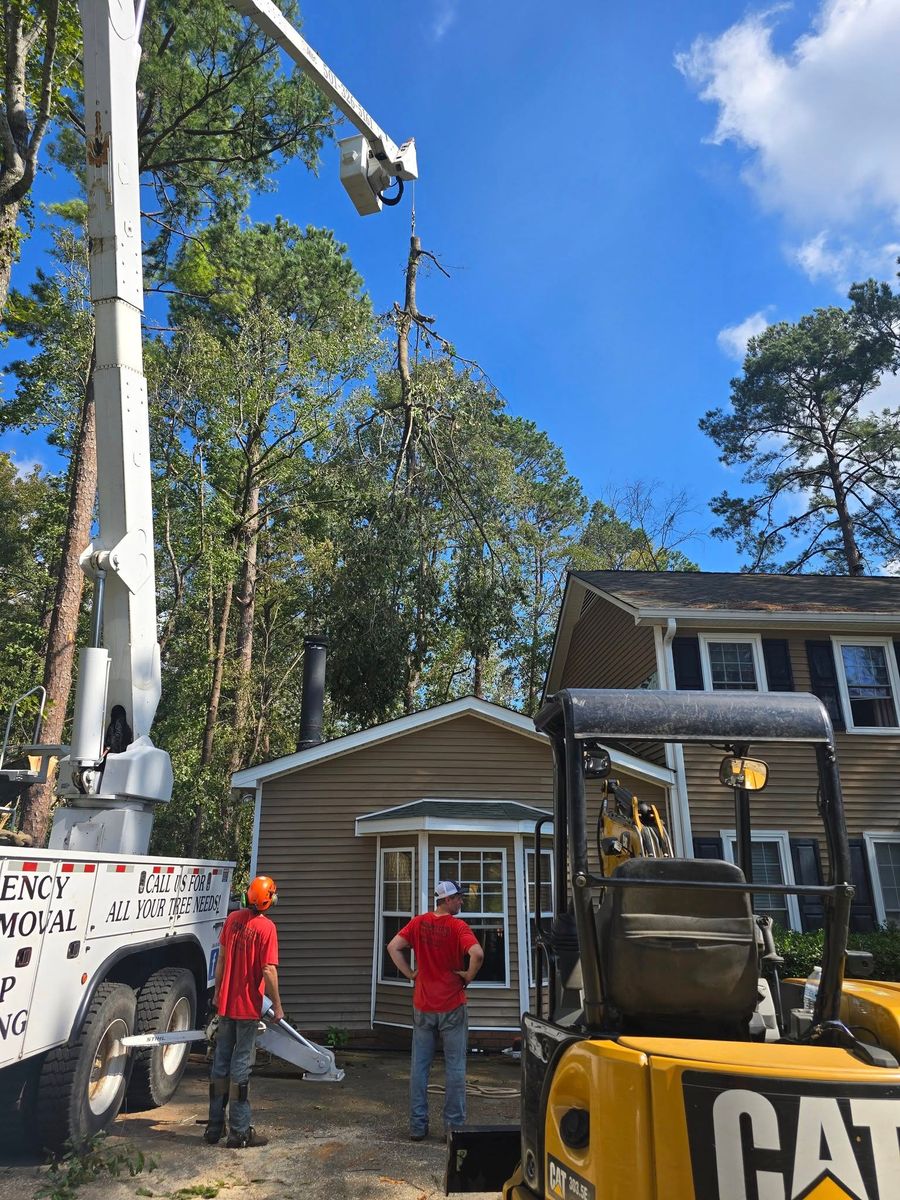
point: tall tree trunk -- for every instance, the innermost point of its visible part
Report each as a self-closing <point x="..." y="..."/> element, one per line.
<point x="246" y="599"/>
<point x="66" y="607"/>
<point x="212" y="707"/>
<point x="855" y="563"/>
<point x="9" y="216"/>
<point x="477" y="683"/>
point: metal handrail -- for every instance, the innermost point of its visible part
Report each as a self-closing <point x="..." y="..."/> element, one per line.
<point x="38" y="723"/>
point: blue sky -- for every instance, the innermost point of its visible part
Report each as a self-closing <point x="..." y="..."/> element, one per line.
<point x="621" y="193"/>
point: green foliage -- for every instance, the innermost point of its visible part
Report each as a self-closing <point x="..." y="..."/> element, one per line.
<point x="218" y="113"/>
<point x="95" y="1159"/>
<point x="55" y="321"/>
<point x="821" y="471"/>
<point x="336" y="1036"/>
<point x="803" y="951"/>
<point x="32" y="516"/>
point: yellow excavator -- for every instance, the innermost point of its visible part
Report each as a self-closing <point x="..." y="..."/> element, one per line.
<point x="665" y="1059"/>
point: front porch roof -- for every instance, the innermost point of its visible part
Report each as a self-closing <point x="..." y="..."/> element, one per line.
<point x="453" y="816"/>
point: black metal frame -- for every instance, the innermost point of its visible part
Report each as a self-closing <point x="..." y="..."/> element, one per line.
<point x="735" y="720"/>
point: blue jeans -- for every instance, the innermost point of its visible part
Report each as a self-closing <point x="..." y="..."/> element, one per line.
<point x="452" y="1028"/>
<point x="233" y="1059"/>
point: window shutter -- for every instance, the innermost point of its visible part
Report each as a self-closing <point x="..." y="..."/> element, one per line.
<point x="777" y="657"/>
<point x="823" y="680"/>
<point x="862" y="910"/>
<point x="808" y="870"/>
<point x="686" y="657"/>
<point x="708" y="847"/>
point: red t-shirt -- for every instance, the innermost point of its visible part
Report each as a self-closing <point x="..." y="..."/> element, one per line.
<point x="440" y="943"/>
<point x="249" y="942"/>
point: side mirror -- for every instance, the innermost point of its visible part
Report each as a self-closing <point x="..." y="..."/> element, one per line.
<point x="748" y="773"/>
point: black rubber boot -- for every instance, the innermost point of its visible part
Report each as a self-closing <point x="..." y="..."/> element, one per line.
<point x="240" y="1141"/>
<point x="218" y="1107"/>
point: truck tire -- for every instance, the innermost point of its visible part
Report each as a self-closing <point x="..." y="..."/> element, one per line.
<point x="166" y="1003"/>
<point x="82" y="1084"/>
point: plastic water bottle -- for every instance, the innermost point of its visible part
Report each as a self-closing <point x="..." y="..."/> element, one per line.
<point x="811" y="990"/>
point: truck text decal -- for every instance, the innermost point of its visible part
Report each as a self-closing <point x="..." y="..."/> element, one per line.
<point x="752" y="1138"/>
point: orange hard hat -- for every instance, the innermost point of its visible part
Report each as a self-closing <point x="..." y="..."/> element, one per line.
<point x="262" y="893"/>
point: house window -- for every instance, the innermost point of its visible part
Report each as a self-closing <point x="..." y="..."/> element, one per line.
<point x="732" y="664"/>
<point x="481" y="875"/>
<point x="546" y="906"/>
<point x="867" y="673"/>
<point x="397" y="868"/>
<point x="884" y="867"/>
<point x="770" y="856"/>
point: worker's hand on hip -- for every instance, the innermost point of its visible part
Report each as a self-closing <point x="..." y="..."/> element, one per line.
<point x="464" y="976"/>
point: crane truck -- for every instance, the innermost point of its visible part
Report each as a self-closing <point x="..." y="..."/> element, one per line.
<point x="107" y="952"/>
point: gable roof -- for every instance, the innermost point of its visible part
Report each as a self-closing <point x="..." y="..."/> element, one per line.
<point x="701" y="599"/>
<point x="251" y="777"/>
<point x="734" y="592"/>
<point x="467" y="705"/>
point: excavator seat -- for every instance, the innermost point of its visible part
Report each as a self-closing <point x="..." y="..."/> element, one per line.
<point x="679" y="961"/>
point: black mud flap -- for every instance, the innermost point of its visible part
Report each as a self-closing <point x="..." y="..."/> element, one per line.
<point x="481" y="1158"/>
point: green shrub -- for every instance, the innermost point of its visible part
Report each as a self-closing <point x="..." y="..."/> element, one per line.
<point x="803" y="951"/>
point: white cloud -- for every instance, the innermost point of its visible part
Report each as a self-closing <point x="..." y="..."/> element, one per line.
<point x="819" y="121"/>
<point x="26" y="466"/>
<point x="445" y="15"/>
<point x="843" y="260"/>
<point x="733" y="339"/>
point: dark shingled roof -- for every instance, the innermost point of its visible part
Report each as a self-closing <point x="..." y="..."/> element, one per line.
<point x="481" y="810"/>
<point x="715" y="590"/>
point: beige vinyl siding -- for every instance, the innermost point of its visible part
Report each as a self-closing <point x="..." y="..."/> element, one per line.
<point x="607" y="649"/>
<point x="869" y="766"/>
<point x="326" y="875"/>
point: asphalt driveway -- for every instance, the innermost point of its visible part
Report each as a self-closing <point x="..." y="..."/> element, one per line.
<point x="337" y="1141"/>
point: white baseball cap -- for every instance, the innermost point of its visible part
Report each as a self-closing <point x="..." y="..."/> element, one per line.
<point x="445" y="888"/>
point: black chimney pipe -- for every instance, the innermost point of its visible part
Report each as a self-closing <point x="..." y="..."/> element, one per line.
<point x="313" y="698"/>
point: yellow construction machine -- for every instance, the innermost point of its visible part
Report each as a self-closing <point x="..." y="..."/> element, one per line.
<point x="664" y="1059"/>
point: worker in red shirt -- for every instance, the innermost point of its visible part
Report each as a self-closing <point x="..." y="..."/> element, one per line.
<point x="440" y="943"/>
<point x="246" y="968"/>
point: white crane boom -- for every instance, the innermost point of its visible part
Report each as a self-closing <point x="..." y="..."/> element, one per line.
<point x="112" y="784"/>
<point x="370" y="162"/>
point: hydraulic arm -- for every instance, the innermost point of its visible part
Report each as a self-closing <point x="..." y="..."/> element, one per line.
<point x="113" y="777"/>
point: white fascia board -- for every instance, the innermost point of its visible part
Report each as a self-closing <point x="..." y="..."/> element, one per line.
<point x="366" y="828"/>
<point x="640" y="768"/>
<point x="569" y="612"/>
<point x="397" y="809"/>
<point x="468" y="705"/>
<point x="695" y="618"/>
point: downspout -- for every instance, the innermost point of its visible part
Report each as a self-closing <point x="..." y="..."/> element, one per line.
<point x="684" y="841"/>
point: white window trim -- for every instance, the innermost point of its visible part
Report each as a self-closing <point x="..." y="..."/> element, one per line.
<point x="755" y="642"/>
<point x="871" y="840"/>
<point x="782" y="839"/>
<point x="379" y="925"/>
<point x="893" y="675"/>
<point x="529" y="850"/>
<point x="482" y="849"/>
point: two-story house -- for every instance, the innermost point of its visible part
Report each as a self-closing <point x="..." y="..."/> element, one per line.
<point x="835" y="636"/>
